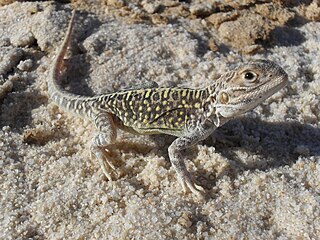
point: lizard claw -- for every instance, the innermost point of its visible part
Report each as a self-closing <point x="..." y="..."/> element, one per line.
<point x="188" y="184"/>
<point x="196" y="190"/>
<point x="103" y="155"/>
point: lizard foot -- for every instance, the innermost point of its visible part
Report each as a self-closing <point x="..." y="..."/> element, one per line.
<point x="103" y="156"/>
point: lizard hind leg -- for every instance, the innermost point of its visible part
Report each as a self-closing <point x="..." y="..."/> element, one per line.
<point x="102" y="143"/>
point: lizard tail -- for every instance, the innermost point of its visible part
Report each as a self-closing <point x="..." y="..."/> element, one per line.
<point x="73" y="103"/>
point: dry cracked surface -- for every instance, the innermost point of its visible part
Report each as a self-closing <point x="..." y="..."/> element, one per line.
<point x="264" y="184"/>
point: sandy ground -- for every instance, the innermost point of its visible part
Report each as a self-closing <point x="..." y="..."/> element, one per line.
<point x="265" y="184"/>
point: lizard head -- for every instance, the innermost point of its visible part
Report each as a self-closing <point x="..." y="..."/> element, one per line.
<point x="247" y="86"/>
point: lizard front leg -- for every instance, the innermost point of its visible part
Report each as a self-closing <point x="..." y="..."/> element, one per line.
<point x="103" y="141"/>
<point x="190" y="138"/>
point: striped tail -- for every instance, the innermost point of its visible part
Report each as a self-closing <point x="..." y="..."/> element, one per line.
<point x="72" y="103"/>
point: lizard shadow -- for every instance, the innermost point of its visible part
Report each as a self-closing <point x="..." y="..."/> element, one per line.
<point x="266" y="145"/>
<point x="255" y="145"/>
<point x="78" y="66"/>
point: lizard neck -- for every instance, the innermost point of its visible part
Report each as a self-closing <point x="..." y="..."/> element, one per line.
<point x="209" y="106"/>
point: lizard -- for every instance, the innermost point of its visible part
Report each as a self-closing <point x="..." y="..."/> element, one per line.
<point x="191" y="115"/>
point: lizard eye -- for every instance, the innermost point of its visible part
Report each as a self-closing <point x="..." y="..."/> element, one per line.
<point x="250" y="77"/>
<point x="224" y="98"/>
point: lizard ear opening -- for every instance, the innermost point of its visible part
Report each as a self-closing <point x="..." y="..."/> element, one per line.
<point x="224" y="98"/>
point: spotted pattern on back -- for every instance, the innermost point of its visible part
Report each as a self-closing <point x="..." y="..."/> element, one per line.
<point x="160" y="108"/>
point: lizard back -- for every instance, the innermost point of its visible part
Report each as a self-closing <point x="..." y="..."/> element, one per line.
<point x="154" y="110"/>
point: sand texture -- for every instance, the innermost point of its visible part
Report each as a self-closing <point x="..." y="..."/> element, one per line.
<point x="264" y="183"/>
